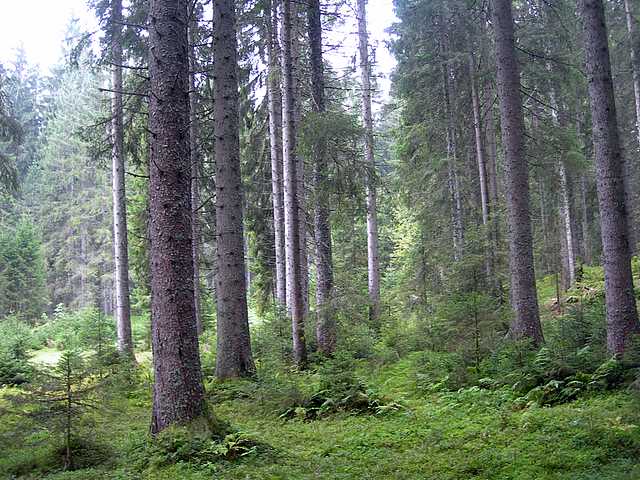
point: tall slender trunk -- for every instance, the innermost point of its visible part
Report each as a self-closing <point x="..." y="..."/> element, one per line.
<point x="325" y="324"/>
<point x="485" y="201"/>
<point x="373" y="256"/>
<point x="635" y="69"/>
<point x="178" y="393"/>
<point x="565" y="213"/>
<point x="121" y="256"/>
<point x="274" y="93"/>
<point x="194" y="149"/>
<point x="296" y="63"/>
<point x="233" y="354"/>
<point x="291" y="206"/>
<point x="454" y="189"/>
<point x="622" y="316"/>
<point x="526" y="323"/>
<point x="584" y="222"/>
<point x="569" y="262"/>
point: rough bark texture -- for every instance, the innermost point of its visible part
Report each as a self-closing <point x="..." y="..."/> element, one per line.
<point x="291" y="206"/>
<point x="622" y="316"/>
<point x="373" y="258"/>
<point x="194" y="152"/>
<point x="233" y="354"/>
<point x="274" y="93"/>
<point x="325" y="323"/>
<point x="178" y="393"/>
<point x="526" y="322"/>
<point x="120" y="241"/>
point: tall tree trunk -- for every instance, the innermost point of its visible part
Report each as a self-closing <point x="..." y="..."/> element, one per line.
<point x="296" y="62"/>
<point x="485" y="201"/>
<point x="453" y="184"/>
<point x="584" y="222"/>
<point x="325" y="324"/>
<point x="274" y="93"/>
<point x="178" y="394"/>
<point x="121" y="256"/>
<point x="567" y="224"/>
<point x="526" y="323"/>
<point x="291" y="206"/>
<point x="569" y="262"/>
<point x="233" y="355"/>
<point x="194" y="149"/>
<point x="373" y="256"/>
<point x="622" y="316"/>
<point x="628" y="170"/>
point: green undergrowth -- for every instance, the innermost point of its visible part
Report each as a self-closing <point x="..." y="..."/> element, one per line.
<point x="473" y="432"/>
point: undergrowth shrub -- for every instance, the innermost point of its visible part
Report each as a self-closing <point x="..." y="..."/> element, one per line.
<point x="15" y="342"/>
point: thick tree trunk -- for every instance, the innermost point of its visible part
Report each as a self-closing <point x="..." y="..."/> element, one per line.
<point x="274" y="93"/>
<point x="194" y="149"/>
<point x="178" y="395"/>
<point x="295" y="300"/>
<point x="121" y="256"/>
<point x="233" y="355"/>
<point x="325" y="323"/>
<point x="622" y="316"/>
<point x="526" y="323"/>
<point x="373" y="256"/>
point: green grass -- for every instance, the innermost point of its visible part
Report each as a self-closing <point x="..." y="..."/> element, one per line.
<point x="471" y="434"/>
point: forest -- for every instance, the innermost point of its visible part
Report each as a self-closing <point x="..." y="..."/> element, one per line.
<point x="225" y="254"/>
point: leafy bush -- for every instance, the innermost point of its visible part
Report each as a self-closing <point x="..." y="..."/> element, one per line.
<point x="15" y="342"/>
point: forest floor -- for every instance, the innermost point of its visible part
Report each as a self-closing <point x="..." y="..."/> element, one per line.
<point x="469" y="434"/>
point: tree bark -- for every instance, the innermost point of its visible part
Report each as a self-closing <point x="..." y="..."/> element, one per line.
<point x="584" y="222"/>
<point x="233" y="354"/>
<point x="178" y="393"/>
<point x="194" y="152"/>
<point x="485" y="202"/>
<point x="325" y="323"/>
<point x="622" y="316"/>
<point x="373" y="258"/>
<point x="121" y="255"/>
<point x="526" y="323"/>
<point x="274" y="93"/>
<point x="628" y="170"/>
<point x="291" y="198"/>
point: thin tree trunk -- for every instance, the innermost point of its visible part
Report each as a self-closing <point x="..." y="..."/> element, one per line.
<point x="373" y="259"/>
<point x="233" y="354"/>
<point x="296" y="62"/>
<point x="454" y="190"/>
<point x="584" y="222"/>
<point x="569" y="262"/>
<point x="325" y="324"/>
<point x="274" y="93"/>
<point x="123" y="309"/>
<point x="194" y="150"/>
<point x="622" y="316"/>
<point x="526" y="323"/>
<point x="178" y="394"/>
<point x="628" y="170"/>
<point x="485" y="201"/>
<point x="291" y="207"/>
